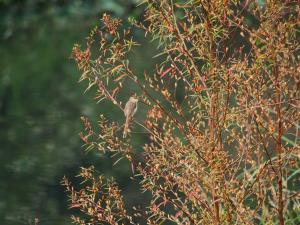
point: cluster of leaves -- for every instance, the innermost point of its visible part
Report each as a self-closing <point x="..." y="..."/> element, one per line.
<point x="228" y="151"/>
<point x="101" y="199"/>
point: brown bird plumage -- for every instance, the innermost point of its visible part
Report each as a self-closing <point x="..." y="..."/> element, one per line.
<point x="129" y="111"/>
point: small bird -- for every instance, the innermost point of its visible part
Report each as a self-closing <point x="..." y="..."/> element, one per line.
<point x="129" y="111"/>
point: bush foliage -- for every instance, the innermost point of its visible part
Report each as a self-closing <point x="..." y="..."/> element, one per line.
<point x="222" y="114"/>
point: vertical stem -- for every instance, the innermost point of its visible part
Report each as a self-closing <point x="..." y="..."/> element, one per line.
<point x="212" y="117"/>
<point x="212" y="138"/>
<point x="280" y="188"/>
<point x="279" y="147"/>
<point x="279" y="150"/>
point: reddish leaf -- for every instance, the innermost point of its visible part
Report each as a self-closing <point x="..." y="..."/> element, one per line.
<point x="166" y="71"/>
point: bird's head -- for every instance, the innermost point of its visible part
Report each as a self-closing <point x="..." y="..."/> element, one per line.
<point x="134" y="98"/>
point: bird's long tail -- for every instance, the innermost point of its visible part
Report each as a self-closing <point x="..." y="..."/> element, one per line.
<point x="125" y="132"/>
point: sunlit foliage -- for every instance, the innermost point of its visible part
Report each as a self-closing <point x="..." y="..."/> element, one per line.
<point x="225" y="153"/>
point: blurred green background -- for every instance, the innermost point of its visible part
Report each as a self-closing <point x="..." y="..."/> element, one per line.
<point x="41" y="104"/>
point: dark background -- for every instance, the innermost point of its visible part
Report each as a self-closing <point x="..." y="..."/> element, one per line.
<point x="41" y="103"/>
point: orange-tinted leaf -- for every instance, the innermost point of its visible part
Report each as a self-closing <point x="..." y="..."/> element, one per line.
<point x="165" y="72"/>
<point x="120" y="77"/>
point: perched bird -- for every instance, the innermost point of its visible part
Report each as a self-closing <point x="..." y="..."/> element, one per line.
<point x="129" y="111"/>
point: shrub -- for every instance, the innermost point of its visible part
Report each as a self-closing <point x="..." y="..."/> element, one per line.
<point x="227" y="152"/>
